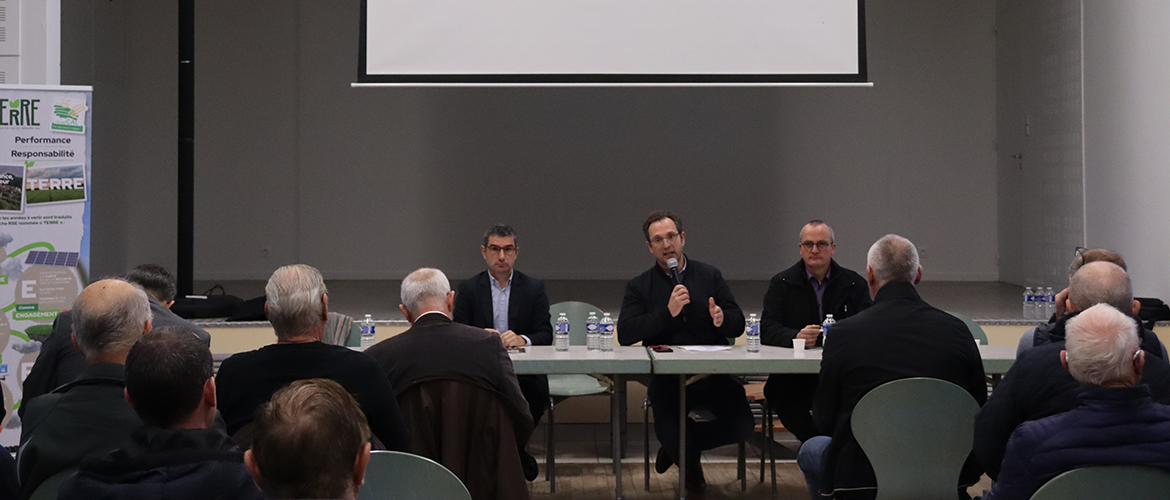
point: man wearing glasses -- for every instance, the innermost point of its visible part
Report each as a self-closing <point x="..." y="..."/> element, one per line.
<point x="515" y="306"/>
<point x="697" y="310"/>
<point x="795" y="305"/>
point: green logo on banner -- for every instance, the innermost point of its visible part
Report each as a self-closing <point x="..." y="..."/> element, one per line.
<point x="27" y="307"/>
<point x="19" y="112"/>
<point x="3" y="279"/>
<point x="32" y="311"/>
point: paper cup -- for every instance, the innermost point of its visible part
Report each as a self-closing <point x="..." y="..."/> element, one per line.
<point x="798" y="344"/>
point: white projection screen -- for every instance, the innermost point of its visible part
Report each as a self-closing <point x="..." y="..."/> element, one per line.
<point x="611" y="41"/>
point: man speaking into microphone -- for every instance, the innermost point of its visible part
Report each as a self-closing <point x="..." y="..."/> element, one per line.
<point x="681" y="301"/>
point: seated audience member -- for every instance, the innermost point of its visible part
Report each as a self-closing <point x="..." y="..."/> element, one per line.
<point x="298" y="307"/>
<point x="310" y="441"/>
<point x="1114" y="423"/>
<point x="1037" y="386"/>
<point x="170" y="386"/>
<point x="1043" y="334"/>
<point x="435" y="347"/>
<point x="900" y="336"/>
<point x="88" y="417"/>
<point x="60" y="363"/>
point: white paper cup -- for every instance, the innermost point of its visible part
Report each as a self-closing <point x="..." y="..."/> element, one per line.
<point x="798" y="344"/>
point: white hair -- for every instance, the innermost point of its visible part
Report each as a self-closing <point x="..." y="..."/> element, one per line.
<point x="110" y="326"/>
<point x="1101" y="283"/>
<point x="295" y="297"/>
<point x="424" y="287"/>
<point x="1100" y="344"/>
<point x="893" y="258"/>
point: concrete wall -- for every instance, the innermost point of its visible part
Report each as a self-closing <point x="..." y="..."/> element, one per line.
<point x="1127" y="122"/>
<point x="294" y="165"/>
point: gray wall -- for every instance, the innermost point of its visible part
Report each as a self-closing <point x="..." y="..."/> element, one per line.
<point x="1038" y="102"/>
<point x="294" y="165"/>
<point x="1127" y="123"/>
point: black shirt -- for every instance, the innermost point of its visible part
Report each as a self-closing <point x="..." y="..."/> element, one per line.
<point x="248" y="379"/>
<point x="645" y="317"/>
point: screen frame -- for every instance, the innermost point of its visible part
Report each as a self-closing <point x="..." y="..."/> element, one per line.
<point x="861" y="77"/>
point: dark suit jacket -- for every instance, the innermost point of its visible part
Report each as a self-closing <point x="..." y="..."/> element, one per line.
<point x="436" y="348"/>
<point x="527" y="306"/>
<point x="84" y="419"/>
<point x="901" y="336"/>
<point x="59" y="362"/>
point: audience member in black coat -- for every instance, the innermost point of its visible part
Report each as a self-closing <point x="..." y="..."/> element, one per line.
<point x="901" y="336"/>
<point x="1038" y="386"/>
<point x="298" y="308"/>
<point x="59" y="362"/>
<point x="169" y="383"/>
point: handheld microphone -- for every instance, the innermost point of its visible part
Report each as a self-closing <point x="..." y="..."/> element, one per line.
<point x="673" y="265"/>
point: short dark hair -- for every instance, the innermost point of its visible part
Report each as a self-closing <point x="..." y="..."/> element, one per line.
<point x="305" y="440"/>
<point x="501" y="231"/>
<point x="165" y="374"/>
<point x="155" y="279"/>
<point x="658" y="215"/>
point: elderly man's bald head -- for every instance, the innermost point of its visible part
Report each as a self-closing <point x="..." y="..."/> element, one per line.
<point x="1101" y="283"/>
<point x="109" y="316"/>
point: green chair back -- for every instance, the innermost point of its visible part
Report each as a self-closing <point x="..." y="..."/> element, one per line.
<point x="577" y="312"/>
<point x="1132" y="482"/>
<point x="48" y="489"/>
<point x="976" y="330"/>
<point x="402" y="476"/>
<point x="917" y="432"/>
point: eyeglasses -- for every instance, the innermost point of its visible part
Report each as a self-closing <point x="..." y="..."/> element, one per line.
<point x="822" y="245"/>
<point x="659" y="240"/>
<point x="509" y="250"/>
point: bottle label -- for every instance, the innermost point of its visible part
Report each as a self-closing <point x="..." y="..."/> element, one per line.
<point x="591" y="327"/>
<point x="608" y="329"/>
<point x="367" y="329"/>
<point x="563" y="328"/>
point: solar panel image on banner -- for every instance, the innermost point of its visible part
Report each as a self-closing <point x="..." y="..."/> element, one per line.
<point x="66" y="259"/>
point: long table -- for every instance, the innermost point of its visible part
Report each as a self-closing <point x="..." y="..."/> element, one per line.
<point x="736" y="360"/>
<point x="622" y="361"/>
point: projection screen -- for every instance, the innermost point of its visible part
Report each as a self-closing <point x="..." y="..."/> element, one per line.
<point x="611" y="41"/>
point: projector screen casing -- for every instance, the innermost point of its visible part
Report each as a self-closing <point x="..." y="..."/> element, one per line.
<point x="611" y="42"/>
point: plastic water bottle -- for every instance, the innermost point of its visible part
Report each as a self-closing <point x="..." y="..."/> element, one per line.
<point x="753" y="333"/>
<point x="592" y="333"/>
<point x="1049" y="302"/>
<point x="367" y="332"/>
<point x="829" y="322"/>
<point x="607" y="331"/>
<point x="1029" y="299"/>
<point x="561" y="335"/>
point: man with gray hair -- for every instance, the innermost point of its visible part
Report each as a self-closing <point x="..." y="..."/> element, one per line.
<point x="900" y="336"/>
<point x="1116" y="422"/>
<point x="1037" y="386"/>
<point x="435" y="347"/>
<point x="88" y="417"/>
<point x="297" y="306"/>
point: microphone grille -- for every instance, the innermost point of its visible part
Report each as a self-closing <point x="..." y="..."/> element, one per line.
<point x="672" y="263"/>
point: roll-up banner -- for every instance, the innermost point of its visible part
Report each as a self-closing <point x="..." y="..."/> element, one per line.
<point x="44" y="224"/>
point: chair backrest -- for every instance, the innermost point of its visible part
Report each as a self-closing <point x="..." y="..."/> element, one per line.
<point x="402" y="476"/>
<point x="976" y="330"/>
<point x="1131" y="482"/>
<point x="481" y="451"/>
<point x="48" y="488"/>
<point x="577" y="312"/>
<point x="917" y="432"/>
<point x="337" y="329"/>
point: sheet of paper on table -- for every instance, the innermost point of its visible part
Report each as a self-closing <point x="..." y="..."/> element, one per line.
<point x="706" y="348"/>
